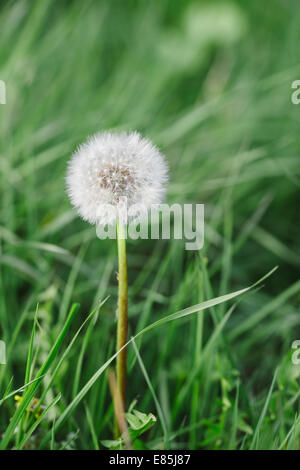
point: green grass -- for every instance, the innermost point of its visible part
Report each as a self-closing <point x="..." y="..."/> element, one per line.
<point x="210" y="83"/>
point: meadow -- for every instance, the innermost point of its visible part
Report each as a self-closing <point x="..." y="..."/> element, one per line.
<point x="209" y="82"/>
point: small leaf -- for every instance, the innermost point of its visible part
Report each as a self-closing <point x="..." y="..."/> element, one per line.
<point x="139" y="423"/>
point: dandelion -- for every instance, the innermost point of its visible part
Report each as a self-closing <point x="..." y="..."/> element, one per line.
<point x="106" y="169"/>
<point x="110" y="167"/>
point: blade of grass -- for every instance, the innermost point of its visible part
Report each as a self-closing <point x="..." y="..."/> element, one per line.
<point x="255" y="439"/>
<point x="232" y="442"/>
<point x="92" y="427"/>
<point x="28" y="371"/>
<point x="52" y="444"/>
<point x="155" y="399"/>
<point x="11" y="394"/>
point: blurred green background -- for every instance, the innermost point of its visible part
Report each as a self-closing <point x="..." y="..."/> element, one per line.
<point x="210" y="83"/>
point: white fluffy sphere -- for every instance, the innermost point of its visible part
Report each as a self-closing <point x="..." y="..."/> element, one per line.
<point x="110" y="167"/>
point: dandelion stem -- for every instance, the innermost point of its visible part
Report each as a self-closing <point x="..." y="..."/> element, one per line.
<point x="122" y="327"/>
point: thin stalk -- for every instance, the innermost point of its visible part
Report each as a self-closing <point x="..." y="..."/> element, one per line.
<point x="195" y="402"/>
<point x="122" y="328"/>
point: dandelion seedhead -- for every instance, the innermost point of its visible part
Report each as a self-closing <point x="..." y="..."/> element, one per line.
<point x="112" y="167"/>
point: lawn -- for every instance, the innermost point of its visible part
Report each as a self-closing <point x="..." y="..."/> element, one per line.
<point x="209" y="82"/>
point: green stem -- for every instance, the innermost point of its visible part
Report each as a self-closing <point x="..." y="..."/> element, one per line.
<point x="122" y="327"/>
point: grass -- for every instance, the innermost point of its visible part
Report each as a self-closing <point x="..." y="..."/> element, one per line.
<point x="210" y="83"/>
